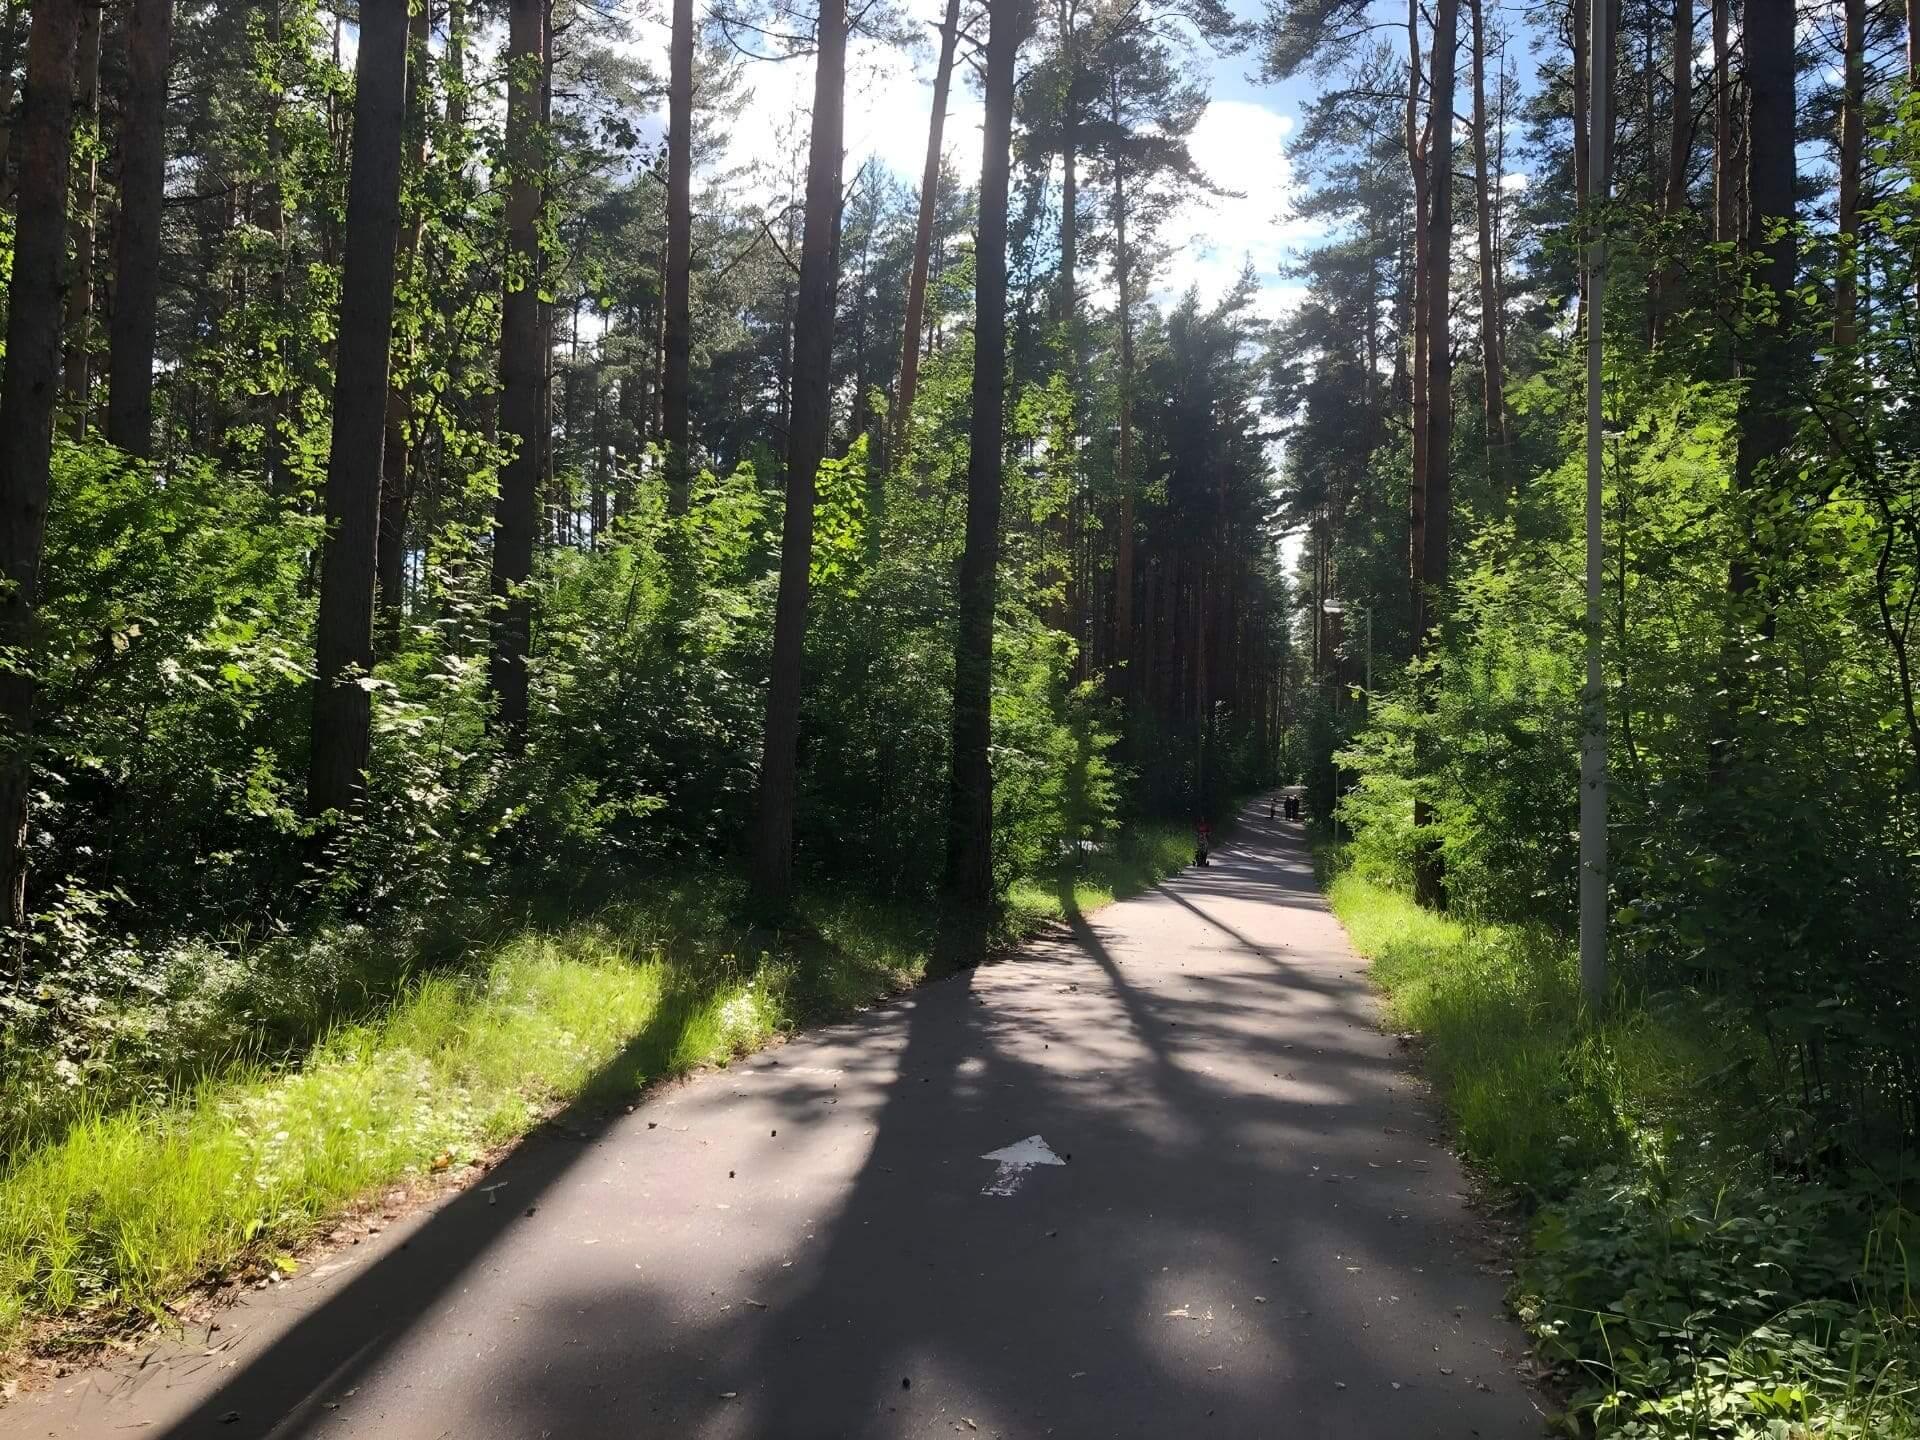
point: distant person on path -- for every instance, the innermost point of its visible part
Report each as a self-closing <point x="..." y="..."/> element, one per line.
<point x="1203" y="833"/>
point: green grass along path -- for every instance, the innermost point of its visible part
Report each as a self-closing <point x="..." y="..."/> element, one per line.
<point x="130" y="1208"/>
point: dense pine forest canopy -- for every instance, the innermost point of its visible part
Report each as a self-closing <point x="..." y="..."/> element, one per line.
<point x="437" y="470"/>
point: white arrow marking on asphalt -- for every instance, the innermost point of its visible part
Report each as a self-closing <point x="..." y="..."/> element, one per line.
<point x="1015" y="1160"/>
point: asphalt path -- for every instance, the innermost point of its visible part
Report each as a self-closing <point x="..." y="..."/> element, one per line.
<point x="1159" y="1174"/>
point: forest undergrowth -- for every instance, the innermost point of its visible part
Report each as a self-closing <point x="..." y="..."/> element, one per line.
<point x="1685" y="1275"/>
<point x="405" y="1051"/>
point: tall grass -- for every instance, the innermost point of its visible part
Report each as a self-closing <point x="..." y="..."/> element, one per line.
<point x="1536" y="1089"/>
<point x="1138" y="856"/>
<point x="1684" y="1284"/>
<point x="119" y="1206"/>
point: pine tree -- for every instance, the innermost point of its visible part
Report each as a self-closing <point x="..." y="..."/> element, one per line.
<point x="343" y="635"/>
<point x="28" y="387"/>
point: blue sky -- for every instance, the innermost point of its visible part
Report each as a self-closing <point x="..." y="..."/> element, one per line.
<point x="1240" y="143"/>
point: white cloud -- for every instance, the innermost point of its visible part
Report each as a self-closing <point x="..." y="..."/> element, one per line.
<point x="1241" y="148"/>
<point x="889" y="99"/>
<point x="1239" y="145"/>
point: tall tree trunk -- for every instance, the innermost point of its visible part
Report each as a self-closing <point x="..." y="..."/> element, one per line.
<point x="1668" y="279"/>
<point x="675" y="401"/>
<point x="1582" y="79"/>
<point x="806" y="447"/>
<point x="544" y="483"/>
<point x="1122" y="657"/>
<point x="343" y="633"/>
<point x="1068" y="299"/>
<point x="1428" y="874"/>
<point x="1766" y="400"/>
<point x="522" y="375"/>
<point x="79" y="354"/>
<point x="1417" y="315"/>
<point x="1853" y="127"/>
<point x="9" y="57"/>
<point x="271" y="216"/>
<point x="136" y="266"/>
<point x="456" y="66"/>
<point x="1063" y="613"/>
<point x="27" y="389"/>
<point x="923" y="233"/>
<point x="1726" y="173"/>
<point x="599" y="467"/>
<point x="398" y="481"/>
<point x="1492" y="364"/>
<point x="970" y="817"/>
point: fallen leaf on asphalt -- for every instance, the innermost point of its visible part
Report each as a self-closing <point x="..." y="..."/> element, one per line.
<point x="758" y="1304"/>
<point x="729" y="1394"/>
<point x="1259" y="1299"/>
<point x="1339" y="1384"/>
<point x="1181" y="1314"/>
<point x="1446" y="1369"/>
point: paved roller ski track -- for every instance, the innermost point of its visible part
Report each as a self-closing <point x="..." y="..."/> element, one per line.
<point x="1253" y="1228"/>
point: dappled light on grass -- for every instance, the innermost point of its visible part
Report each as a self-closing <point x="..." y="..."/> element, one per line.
<point x="124" y="1207"/>
<point x="1686" y="1287"/>
<point x="130" y="1206"/>
<point x="1135" y="859"/>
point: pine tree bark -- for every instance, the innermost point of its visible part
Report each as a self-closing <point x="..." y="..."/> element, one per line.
<point x="1581" y="22"/>
<point x="29" y="384"/>
<point x="343" y="635"/>
<point x="136" y="267"/>
<point x="970" y="816"/>
<point x="1068" y="299"/>
<point x="1726" y="172"/>
<point x="676" y="427"/>
<point x="1665" y="300"/>
<point x="1492" y="362"/>
<point x="1123" y="655"/>
<point x="544" y="484"/>
<point x="1765" y="354"/>
<point x="522" y="376"/>
<point x="1428" y="873"/>
<point x="1417" y="146"/>
<point x="806" y="447"/>
<point x="923" y="233"/>
<point x="599" y="467"/>
<point x="398" y="481"/>
<point x="9" y="58"/>
<point x="1853" y="105"/>
<point x="271" y="216"/>
<point x="456" y="66"/>
<point x="81" y="224"/>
